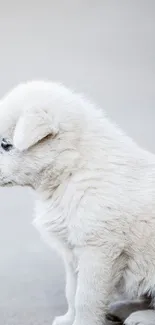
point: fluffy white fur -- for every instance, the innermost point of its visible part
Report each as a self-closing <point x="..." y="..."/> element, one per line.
<point x="95" y="194"/>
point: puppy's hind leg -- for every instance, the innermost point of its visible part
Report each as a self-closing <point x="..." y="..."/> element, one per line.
<point x="144" y="317"/>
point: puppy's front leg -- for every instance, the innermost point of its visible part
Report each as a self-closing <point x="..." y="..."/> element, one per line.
<point x="68" y="318"/>
<point x="94" y="286"/>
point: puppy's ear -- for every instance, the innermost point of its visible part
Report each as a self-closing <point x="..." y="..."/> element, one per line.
<point x="32" y="127"/>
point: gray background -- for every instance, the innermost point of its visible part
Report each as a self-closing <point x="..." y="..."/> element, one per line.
<point x="103" y="48"/>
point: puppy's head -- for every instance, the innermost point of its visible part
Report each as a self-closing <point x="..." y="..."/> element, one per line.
<point x="38" y="142"/>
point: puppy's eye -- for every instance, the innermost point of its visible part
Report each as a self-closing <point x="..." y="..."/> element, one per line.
<point x="6" y="145"/>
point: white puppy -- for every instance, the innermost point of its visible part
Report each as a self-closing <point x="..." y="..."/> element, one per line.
<point x="95" y="193"/>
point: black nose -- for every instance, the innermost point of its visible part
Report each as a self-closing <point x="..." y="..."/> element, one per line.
<point x="5" y="145"/>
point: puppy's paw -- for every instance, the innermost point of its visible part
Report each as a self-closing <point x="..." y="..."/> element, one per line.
<point x="145" y="317"/>
<point x="66" y="319"/>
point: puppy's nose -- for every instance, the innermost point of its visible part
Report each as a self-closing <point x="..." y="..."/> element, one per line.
<point x="5" y="145"/>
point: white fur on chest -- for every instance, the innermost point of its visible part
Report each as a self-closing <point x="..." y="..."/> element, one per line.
<point x="53" y="216"/>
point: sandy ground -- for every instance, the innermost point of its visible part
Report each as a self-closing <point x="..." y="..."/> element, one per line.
<point x="102" y="48"/>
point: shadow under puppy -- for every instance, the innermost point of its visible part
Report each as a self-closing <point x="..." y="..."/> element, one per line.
<point x="129" y="311"/>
